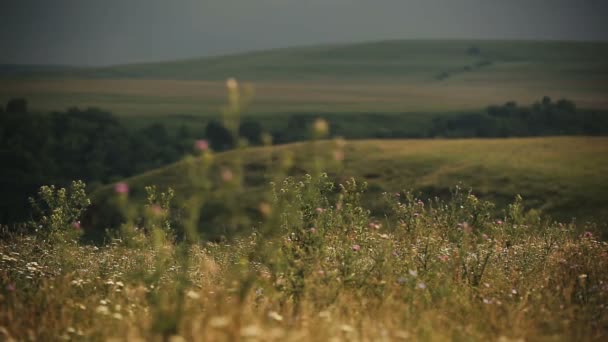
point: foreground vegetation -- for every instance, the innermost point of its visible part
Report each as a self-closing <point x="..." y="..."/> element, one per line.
<point x="317" y="266"/>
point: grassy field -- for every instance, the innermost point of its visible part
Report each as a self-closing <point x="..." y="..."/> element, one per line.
<point x="316" y="265"/>
<point x="564" y="177"/>
<point x="381" y="77"/>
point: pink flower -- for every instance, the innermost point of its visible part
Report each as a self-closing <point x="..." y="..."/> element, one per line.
<point x="444" y="258"/>
<point x="10" y="287"/>
<point x="156" y="210"/>
<point x="356" y="248"/>
<point x="201" y="145"/>
<point x="499" y="222"/>
<point x="319" y="210"/>
<point x="588" y="234"/>
<point x="313" y="230"/>
<point x="226" y="175"/>
<point x="76" y="225"/>
<point x="121" y="188"/>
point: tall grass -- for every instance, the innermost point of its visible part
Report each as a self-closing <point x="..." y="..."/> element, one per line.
<point x="315" y="266"/>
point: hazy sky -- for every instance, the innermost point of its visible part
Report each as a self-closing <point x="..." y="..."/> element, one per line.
<point x="96" y="32"/>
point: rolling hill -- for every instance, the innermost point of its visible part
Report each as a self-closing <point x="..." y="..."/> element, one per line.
<point x="564" y="177"/>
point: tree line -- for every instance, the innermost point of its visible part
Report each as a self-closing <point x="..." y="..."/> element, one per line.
<point x="95" y="146"/>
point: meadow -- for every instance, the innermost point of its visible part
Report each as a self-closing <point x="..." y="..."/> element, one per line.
<point x="563" y="177"/>
<point x="315" y="265"/>
<point x="329" y="238"/>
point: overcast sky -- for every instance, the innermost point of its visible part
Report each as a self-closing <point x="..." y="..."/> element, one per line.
<point x="101" y="32"/>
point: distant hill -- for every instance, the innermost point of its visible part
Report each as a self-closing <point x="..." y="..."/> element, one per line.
<point x="384" y="59"/>
<point x="21" y="70"/>
<point x="375" y="77"/>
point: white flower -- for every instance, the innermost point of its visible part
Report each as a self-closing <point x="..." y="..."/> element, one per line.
<point x="274" y="315"/>
<point x="102" y="310"/>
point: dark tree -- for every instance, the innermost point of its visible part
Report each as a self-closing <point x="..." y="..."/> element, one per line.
<point x="219" y="136"/>
<point x="252" y="131"/>
<point x="17" y="106"/>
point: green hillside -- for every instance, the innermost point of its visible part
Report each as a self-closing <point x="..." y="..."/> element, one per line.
<point x="417" y="59"/>
<point x="565" y="177"/>
<point x="377" y="77"/>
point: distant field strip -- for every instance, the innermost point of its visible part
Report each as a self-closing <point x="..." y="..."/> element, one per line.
<point x="167" y="97"/>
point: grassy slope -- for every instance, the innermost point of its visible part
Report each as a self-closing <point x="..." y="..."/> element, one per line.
<point x="387" y="77"/>
<point x="564" y="176"/>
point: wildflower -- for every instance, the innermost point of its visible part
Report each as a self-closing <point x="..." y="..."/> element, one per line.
<point x="76" y="225"/>
<point x="465" y="227"/>
<point x="588" y="235"/>
<point x="265" y="209"/>
<point x="251" y="331"/>
<point x="156" y="210"/>
<point x="193" y="295"/>
<point x="324" y="314"/>
<point x="232" y="84"/>
<point x="121" y="188"/>
<point x="499" y="222"/>
<point x="321" y="127"/>
<point x="219" y="322"/>
<point x="227" y="175"/>
<point x="421" y="286"/>
<point x="346" y="328"/>
<point x="444" y="258"/>
<point x="102" y="310"/>
<point x="339" y="155"/>
<point x="319" y="210"/>
<point x="384" y="236"/>
<point x="374" y="225"/>
<point x="403" y="335"/>
<point x="313" y="230"/>
<point x="10" y="287"/>
<point x="356" y="248"/>
<point x="413" y="273"/>
<point x="201" y="145"/>
<point x="275" y="316"/>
